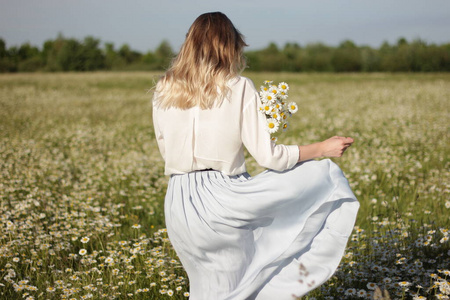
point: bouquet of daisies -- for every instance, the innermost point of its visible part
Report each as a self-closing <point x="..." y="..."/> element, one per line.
<point x="275" y="106"/>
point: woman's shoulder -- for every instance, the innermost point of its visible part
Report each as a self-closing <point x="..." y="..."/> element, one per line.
<point x="243" y="91"/>
<point x="242" y="81"/>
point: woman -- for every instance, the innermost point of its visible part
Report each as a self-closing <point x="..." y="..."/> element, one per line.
<point x="240" y="237"/>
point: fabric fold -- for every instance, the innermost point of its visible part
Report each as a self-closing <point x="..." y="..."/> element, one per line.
<point x="242" y="237"/>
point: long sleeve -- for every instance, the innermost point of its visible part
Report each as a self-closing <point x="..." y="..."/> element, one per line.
<point x="257" y="139"/>
<point x="158" y="133"/>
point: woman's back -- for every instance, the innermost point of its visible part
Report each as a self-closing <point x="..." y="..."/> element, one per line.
<point x="197" y="139"/>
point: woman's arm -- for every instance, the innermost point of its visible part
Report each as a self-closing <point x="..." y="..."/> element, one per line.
<point x="332" y="147"/>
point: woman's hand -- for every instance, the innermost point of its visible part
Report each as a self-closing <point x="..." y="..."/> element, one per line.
<point x="332" y="147"/>
<point x="335" y="146"/>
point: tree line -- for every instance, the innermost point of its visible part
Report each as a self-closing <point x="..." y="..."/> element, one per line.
<point x="69" y="54"/>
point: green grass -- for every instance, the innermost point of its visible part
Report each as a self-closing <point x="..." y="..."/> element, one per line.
<point x="78" y="159"/>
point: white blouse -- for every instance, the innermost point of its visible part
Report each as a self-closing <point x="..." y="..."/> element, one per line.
<point x="197" y="139"/>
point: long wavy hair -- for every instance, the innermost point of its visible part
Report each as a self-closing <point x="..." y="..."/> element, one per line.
<point x="211" y="55"/>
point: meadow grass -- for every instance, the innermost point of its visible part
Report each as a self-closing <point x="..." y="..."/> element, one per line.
<point x="82" y="184"/>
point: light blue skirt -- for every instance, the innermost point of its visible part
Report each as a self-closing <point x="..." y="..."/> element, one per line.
<point x="271" y="236"/>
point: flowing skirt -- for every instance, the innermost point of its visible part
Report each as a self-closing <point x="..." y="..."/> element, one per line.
<point x="270" y="236"/>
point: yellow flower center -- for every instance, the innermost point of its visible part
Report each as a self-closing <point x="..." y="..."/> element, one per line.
<point x="269" y="97"/>
<point x="283" y="87"/>
<point x="292" y="106"/>
<point x="266" y="108"/>
<point x="271" y="125"/>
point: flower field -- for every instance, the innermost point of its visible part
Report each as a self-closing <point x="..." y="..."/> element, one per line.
<point x="82" y="184"/>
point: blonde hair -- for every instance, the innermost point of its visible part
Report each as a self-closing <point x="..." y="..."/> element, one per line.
<point x="211" y="55"/>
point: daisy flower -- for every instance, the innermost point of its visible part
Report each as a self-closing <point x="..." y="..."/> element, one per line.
<point x="267" y="109"/>
<point x="292" y="107"/>
<point x="283" y="95"/>
<point x="361" y="293"/>
<point x="350" y="292"/>
<point x="82" y="251"/>
<point x="272" y="125"/>
<point x="109" y="260"/>
<point x="445" y="272"/>
<point x="84" y="240"/>
<point x="285" y="126"/>
<point x="404" y="283"/>
<point x="268" y="97"/>
<point x="264" y="88"/>
<point x="274" y="90"/>
<point x="74" y="277"/>
<point x="283" y="87"/>
<point x="275" y="115"/>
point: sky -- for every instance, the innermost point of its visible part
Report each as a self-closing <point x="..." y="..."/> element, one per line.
<point x="144" y="24"/>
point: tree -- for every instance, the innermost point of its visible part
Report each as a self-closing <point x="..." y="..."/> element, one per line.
<point x="163" y="55"/>
<point x="128" y="55"/>
<point x="28" y="58"/>
<point x="2" y="48"/>
<point x="112" y="59"/>
<point x="347" y="58"/>
<point x="370" y="60"/>
<point x="91" y="55"/>
<point x="271" y="58"/>
<point x="6" y="64"/>
<point x="317" y="57"/>
<point x="149" y="59"/>
<point x="50" y="53"/>
<point x="291" y="59"/>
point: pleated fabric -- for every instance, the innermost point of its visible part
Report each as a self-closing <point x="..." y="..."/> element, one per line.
<point x="266" y="237"/>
